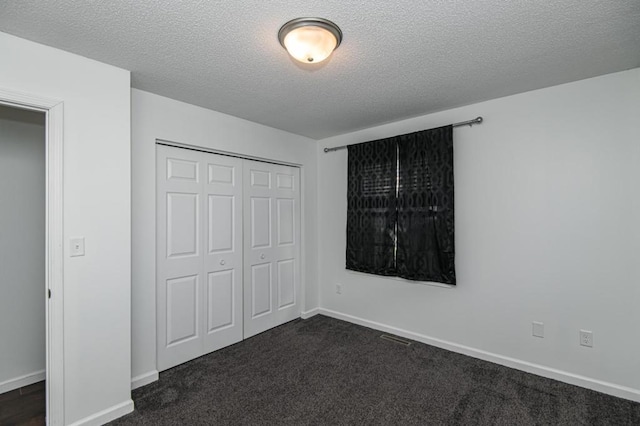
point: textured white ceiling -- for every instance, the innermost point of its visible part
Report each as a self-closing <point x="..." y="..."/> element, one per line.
<point x="398" y="58"/>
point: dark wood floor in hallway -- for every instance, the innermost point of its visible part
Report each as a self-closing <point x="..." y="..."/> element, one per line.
<point x="24" y="406"/>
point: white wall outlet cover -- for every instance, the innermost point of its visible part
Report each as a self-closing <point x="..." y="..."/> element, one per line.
<point x="76" y="247"/>
<point x="538" y="329"/>
<point x="586" y="338"/>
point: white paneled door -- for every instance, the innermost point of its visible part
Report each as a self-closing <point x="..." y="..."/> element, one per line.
<point x="228" y="235"/>
<point x="199" y="254"/>
<point x="271" y="246"/>
<point x="223" y="251"/>
<point x="179" y="256"/>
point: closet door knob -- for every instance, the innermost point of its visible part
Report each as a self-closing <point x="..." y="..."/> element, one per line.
<point x="222" y="262"/>
<point x="262" y="256"/>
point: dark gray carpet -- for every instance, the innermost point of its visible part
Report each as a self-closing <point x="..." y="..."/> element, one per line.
<point x="325" y="371"/>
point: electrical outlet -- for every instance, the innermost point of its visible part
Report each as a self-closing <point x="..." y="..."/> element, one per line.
<point x="339" y="288"/>
<point x="586" y="338"/>
<point x="76" y="247"/>
<point x="538" y="329"/>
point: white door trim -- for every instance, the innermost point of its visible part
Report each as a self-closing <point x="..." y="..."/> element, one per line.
<point x="54" y="276"/>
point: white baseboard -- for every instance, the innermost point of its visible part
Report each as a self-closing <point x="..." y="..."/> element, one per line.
<point x="105" y="416"/>
<point x="144" y="379"/>
<point x="26" y="380"/>
<point x="308" y="314"/>
<point x="540" y="370"/>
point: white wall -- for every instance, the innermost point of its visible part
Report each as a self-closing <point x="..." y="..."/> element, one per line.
<point x="156" y="117"/>
<point x="22" y="242"/>
<point x="547" y="229"/>
<point x="97" y="287"/>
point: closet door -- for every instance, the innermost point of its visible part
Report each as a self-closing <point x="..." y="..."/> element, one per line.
<point x="223" y="254"/>
<point x="179" y="256"/>
<point x="199" y="254"/>
<point x="271" y="246"/>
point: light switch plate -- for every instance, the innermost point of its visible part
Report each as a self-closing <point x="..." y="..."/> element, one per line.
<point x="76" y="247"/>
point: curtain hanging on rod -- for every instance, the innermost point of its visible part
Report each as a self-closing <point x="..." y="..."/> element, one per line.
<point x="400" y="213"/>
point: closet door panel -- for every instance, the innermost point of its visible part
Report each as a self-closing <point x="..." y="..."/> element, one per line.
<point x="228" y="255"/>
<point x="287" y="250"/>
<point x="182" y="309"/>
<point x="258" y="248"/>
<point x="221" y="223"/>
<point x="223" y="254"/>
<point x="271" y="294"/>
<point x="179" y="256"/>
<point x="261" y="290"/>
<point x="260" y="222"/>
<point x="286" y="283"/>
<point x="199" y="260"/>
<point x="220" y="309"/>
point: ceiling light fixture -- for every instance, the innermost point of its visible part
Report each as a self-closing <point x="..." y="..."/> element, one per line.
<point x="310" y="40"/>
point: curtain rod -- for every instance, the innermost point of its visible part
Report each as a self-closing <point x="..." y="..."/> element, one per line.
<point x="469" y="123"/>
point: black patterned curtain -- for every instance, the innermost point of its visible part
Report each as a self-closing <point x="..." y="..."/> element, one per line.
<point x="371" y="212"/>
<point x="425" y="206"/>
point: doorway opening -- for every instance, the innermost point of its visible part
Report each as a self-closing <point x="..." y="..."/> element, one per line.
<point x="22" y="262"/>
<point x="31" y="258"/>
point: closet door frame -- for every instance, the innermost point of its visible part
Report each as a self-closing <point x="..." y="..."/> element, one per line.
<point x="302" y="253"/>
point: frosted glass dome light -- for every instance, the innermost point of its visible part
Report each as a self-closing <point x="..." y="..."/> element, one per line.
<point x="310" y="40"/>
